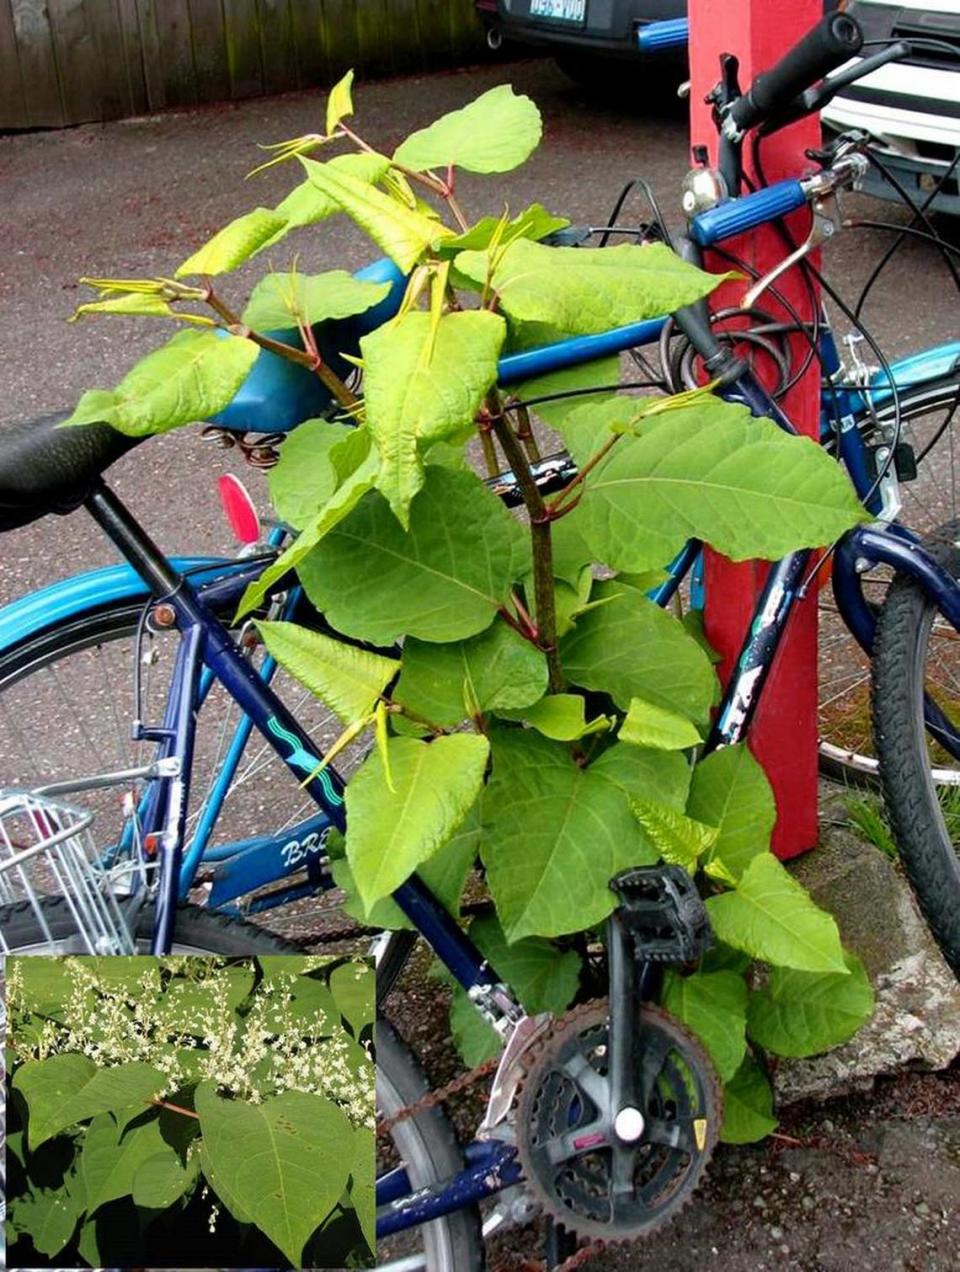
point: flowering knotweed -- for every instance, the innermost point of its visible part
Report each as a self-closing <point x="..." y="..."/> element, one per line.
<point x="204" y="1093"/>
<point x="273" y="1041"/>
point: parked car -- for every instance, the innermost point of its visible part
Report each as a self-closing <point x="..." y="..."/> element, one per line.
<point x="595" y="41"/>
<point x="911" y="108"/>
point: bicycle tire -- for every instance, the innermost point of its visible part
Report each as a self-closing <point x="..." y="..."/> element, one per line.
<point x="197" y="931"/>
<point x="847" y="753"/>
<point x="428" y="1147"/>
<point x="917" y="819"/>
<point x="55" y="698"/>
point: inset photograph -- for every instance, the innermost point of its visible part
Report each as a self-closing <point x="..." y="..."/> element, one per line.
<point x="190" y="1112"/>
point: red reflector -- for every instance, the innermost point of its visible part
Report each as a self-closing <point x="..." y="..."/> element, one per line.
<point x="238" y="508"/>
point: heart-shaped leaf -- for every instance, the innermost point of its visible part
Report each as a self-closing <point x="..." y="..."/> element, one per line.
<point x="282" y="1164"/>
<point x="494" y="133"/>
<point x="191" y="377"/>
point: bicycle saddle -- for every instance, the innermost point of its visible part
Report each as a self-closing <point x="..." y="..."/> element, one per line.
<point x="45" y="469"/>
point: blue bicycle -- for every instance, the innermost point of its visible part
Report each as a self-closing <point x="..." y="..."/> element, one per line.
<point x="181" y="853"/>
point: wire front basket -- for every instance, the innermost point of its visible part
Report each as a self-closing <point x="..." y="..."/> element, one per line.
<point x="47" y="851"/>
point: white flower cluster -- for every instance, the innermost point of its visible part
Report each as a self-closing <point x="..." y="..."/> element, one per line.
<point x="276" y="1046"/>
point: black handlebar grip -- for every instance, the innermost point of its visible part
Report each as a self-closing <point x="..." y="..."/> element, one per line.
<point x="828" y="45"/>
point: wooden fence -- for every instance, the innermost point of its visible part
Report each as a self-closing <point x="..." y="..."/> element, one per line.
<point x="72" y="61"/>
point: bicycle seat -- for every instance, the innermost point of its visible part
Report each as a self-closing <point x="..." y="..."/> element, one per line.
<point x="45" y="469"/>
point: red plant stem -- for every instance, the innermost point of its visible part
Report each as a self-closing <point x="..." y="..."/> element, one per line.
<point x="540" y="539"/>
<point x="311" y="360"/>
<point x="554" y="508"/>
<point x="174" y="1108"/>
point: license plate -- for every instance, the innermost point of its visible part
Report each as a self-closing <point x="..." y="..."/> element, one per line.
<point x="560" y="10"/>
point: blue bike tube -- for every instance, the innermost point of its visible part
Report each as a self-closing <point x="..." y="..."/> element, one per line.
<point x="494" y="1168"/>
<point x="206" y="637"/>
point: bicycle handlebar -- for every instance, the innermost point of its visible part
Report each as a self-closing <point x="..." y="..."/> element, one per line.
<point x="829" y="44"/>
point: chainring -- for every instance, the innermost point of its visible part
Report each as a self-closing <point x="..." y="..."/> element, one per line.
<point x="575" y="1166"/>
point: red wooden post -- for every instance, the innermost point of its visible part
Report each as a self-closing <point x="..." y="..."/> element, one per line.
<point x="784" y="734"/>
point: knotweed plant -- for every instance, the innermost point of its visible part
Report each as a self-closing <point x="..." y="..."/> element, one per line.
<point x="203" y="1110"/>
<point x="531" y="706"/>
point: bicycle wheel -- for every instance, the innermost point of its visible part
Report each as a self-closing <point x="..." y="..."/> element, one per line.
<point x="66" y="709"/>
<point x="427" y="1148"/>
<point x="929" y="416"/>
<point x="197" y="931"/>
<point x="917" y="652"/>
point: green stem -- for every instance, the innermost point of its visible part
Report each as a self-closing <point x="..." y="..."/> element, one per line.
<point x="540" y="538"/>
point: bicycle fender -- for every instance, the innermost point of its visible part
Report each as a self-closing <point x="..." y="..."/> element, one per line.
<point x="73" y="597"/>
<point x="912" y="372"/>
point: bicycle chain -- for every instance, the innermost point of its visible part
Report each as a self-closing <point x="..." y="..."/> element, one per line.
<point x="456" y="1087"/>
<point x="438" y="1096"/>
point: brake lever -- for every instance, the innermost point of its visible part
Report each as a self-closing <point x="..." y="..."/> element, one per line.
<point x="826" y="220"/>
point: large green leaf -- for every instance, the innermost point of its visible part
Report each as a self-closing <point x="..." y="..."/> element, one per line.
<point x="305" y="476"/>
<point x="556" y="833"/>
<point x="496" y="670"/>
<point x="109" y="1163"/>
<point x="712" y="471"/>
<point x="234" y="244"/>
<point x="424" y="382"/>
<point x="630" y="648"/>
<point x="714" y="1005"/>
<point x="281" y="301"/>
<point x="403" y="233"/>
<point x="771" y="917"/>
<point x="535" y="222"/>
<point x="306" y="205"/>
<point x="163" y="1179"/>
<point x="390" y="832"/>
<point x="584" y="290"/>
<point x="349" y="680"/>
<point x="445" y="874"/>
<point x="48" y="1216"/>
<point x="69" y="1088"/>
<point x="494" y="133"/>
<point x="647" y="724"/>
<point x="282" y="1164"/>
<point x="353" y="485"/>
<point x="542" y="976"/>
<point x="747" y="1106"/>
<point x="730" y="790"/>
<point x="191" y="377"/>
<point x="442" y="580"/>
<point x="804" y="1013"/>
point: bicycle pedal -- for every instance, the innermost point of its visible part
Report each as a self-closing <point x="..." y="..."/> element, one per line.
<point x="663" y="914"/>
